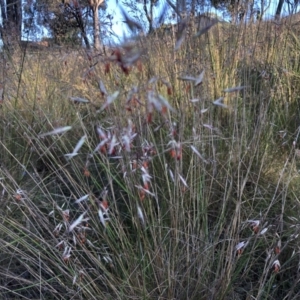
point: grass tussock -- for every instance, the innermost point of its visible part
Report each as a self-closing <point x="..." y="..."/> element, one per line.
<point x="127" y="179"/>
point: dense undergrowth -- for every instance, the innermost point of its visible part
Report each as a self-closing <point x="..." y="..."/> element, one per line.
<point x="173" y="178"/>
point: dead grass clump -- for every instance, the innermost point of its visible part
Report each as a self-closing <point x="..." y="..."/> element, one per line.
<point x="152" y="173"/>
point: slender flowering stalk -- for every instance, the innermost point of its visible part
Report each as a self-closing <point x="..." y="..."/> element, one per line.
<point x="61" y="245"/>
<point x="109" y="100"/>
<point x="112" y="145"/>
<point x="187" y="78"/>
<point x="183" y="181"/>
<point x="140" y="214"/>
<point x="234" y="89"/>
<point x="104" y="205"/>
<point x="175" y="150"/>
<point x="77" y="148"/>
<point x="78" y="221"/>
<point x="67" y="254"/>
<point x="66" y="215"/>
<point x="212" y="23"/>
<point x="219" y="102"/>
<point x="103" y="218"/>
<point x="264" y="230"/>
<point x="199" y="79"/>
<point x="240" y="247"/>
<point x="101" y="133"/>
<point x="102" y="88"/>
<point x="57" y="229"/>
<point x="56" y="131"/>
<point x="83" y="198"/>
<point x="276" y="265"/>
<point x="20" y="195"/>
<point x="128" y="136"/>
<point x="255" y="225"/>
<point x="199" y="155"/>
<point x="79" y="100"/>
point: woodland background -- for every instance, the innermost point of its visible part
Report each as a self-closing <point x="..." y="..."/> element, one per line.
<point x="76" y="22"/>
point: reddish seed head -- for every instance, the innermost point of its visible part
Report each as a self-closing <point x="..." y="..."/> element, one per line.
<point x="276" y="265"/>
<point x="134" y="102"/>
<point x="113" y="151"/>
<point x="18" y="197"/>
<point x="66" y="259"/>
<point x="81" y="275"/>
<point x="75" y="3"/>
<point x="179" y="152"/>
<point x="125" y="69"/>
<point x="255" y="229"/>
<point x="66" y="216"/>
<point x="277" y="250"/>
<point x="139" y="66"/>
<point x="145" y="164"/>
<point x="118" y="55"/>
<point x="174" y="132"/>
<point x="240" y="251"/>
<point x="134" y="165"/>
<point x="60" y="246"/>
<point x="173" y="153"/>
<point x="90" y="74"/>
<point x="149" y="118"/>
<point x="103" y="149"/>
<point x="82" y="238"/>
<point x="107" y="68"/>
<point x="142" y="195"/>
<point x="146" y="186"/>
<point x="104" y="204"/>
<point x="188" y="87"/>
<point x="86" y="172"/>
<point x="164" y="110"/>
<point x="152" y="151"/>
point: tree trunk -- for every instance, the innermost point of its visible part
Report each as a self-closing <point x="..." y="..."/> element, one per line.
<point x="86" y="40"/>
<point x="80" y="23"/>
<point x="14" y="14"/>
<point x="12" y="22"/>
<point x="97" y="43"/>
<point x="3" y="14"/>
<point x="149" y="15"/>
<point x="181" y="7"/>
<point x="279" y="9"/>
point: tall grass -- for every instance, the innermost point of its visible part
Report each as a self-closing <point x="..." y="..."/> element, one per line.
<point x="194" y="199"/>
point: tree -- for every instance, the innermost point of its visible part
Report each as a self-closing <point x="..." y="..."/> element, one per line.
<point x="147" y="14"/>
<point x="62" y="19"/>
<point x="292" y="7"/>
<point x="140" y="11"/>
<point x="71" y="16"/>
<point x="75" y="12"/>
<point x="279" y="9"/>
<point x="240" y="10"/>
<point x="148" y="7"/>
<point x="11" y="14"/>
<point x="95" y="4"/>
